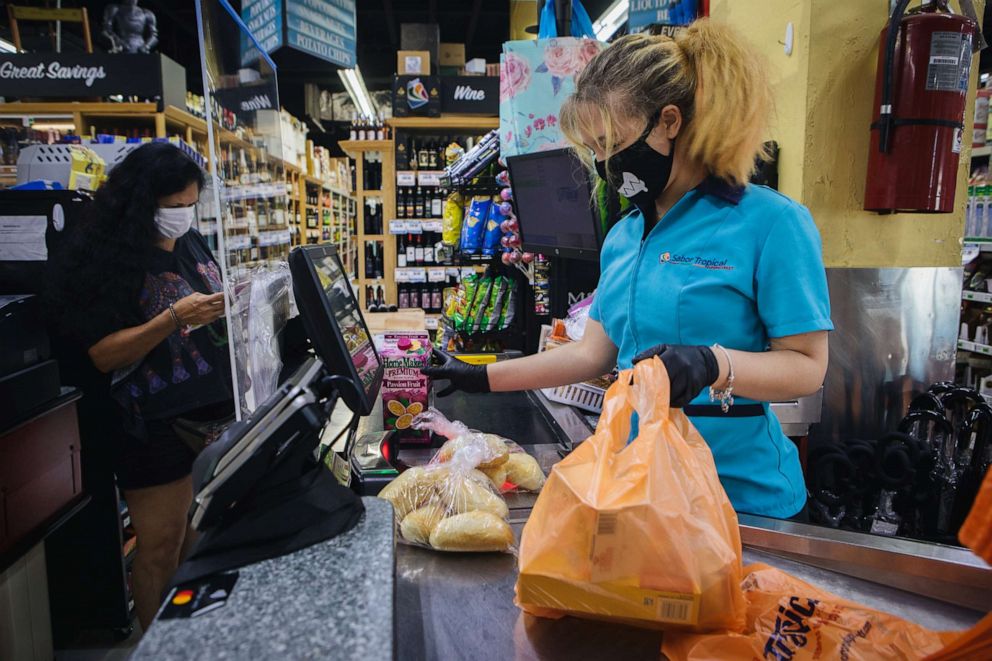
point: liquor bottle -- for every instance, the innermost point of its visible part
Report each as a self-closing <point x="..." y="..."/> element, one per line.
<point x="436" y="298"/>
<point x="423" y="157"/>
<point x="401" y="253"/>
<point x="418" y="203"/>
<point x="418" y="252"/>
<point x="437" y="204"/>
<point x="380" y="298"/>
<point x="353" y="134"/>
<point x="369" y="298"/>
<point x="432" y="161"/>
<point x="429" y="252"/>
<point x="410" y="204"/>
<point x="404" y="297"/>
<point x="441" y="159"/>
<point x="370" y="261"/>
<point x="380" y="266"/>
<point x="361" y="128"/>
<point x="380" y="129"/>
<point x="411" y="251"/>
<point x="411" y="153"/>
<point x="414" y="296"/>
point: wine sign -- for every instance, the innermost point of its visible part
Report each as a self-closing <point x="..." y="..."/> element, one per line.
<point x="76" y="75"/>
<point x="474" y="95"/>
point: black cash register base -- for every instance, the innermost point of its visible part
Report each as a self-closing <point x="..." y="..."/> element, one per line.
<point x="261" y="491"/>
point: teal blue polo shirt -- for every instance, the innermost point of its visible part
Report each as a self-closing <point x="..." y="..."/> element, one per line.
<point x="733" y="266"/>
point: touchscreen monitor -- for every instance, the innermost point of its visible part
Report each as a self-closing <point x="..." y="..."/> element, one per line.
<point x="552" y="195"/>
<point x="334" y="324"/>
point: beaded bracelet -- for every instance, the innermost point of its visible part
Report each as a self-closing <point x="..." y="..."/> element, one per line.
<point x="175" y="317"/>
<point x="725" y="396"/>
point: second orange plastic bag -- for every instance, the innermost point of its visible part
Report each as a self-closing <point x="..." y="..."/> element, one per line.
<point x="641" y="533"/>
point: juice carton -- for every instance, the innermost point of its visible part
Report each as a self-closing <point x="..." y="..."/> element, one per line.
<point x="404" y="389"/>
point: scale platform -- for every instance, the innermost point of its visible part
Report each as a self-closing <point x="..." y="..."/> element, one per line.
<point x="374" y="462"/>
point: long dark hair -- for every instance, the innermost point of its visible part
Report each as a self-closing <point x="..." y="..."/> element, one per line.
<point x="96" y="276"/>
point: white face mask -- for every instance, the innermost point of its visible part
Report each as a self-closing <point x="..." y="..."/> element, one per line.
<point x="173" y="223"/>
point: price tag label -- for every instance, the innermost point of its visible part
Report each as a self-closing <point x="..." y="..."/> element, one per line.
<point x="432" y="226"/>
<point x="454" y="272"/>
<point x="435" y="275"/>
<point x="467" y="271"/>
<point x="406" y="178"/>
<point x="411" y="275"/>
<point x="429" y="178"/>
<point x="430" y="323"/>
<point x="397" y="227"/>
<point x="413" y="226"/>
<point x="400" y="275"/>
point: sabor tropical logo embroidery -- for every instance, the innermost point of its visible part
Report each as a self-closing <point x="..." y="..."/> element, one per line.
<point x="791" y="632"/>
<point x="631" y="186"/>
<point x="699" y="262"/>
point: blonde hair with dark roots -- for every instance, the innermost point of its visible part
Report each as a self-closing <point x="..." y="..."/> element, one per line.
<point x="708" y="71"/>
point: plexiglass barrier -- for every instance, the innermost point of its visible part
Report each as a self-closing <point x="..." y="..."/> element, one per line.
<point x="247" y="203"/>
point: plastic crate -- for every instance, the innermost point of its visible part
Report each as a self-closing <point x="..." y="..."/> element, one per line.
<point x="580" y="395"/>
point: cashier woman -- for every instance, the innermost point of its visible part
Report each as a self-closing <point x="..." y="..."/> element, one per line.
<point x="141" y="293"/>
<point x="721" y="279"/>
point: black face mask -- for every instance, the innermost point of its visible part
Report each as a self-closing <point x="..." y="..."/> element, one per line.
<point x="640" y="173"/>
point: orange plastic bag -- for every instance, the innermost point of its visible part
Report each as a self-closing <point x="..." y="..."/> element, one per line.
<point x="790" y="619"/>
<point x="640" y="533"/>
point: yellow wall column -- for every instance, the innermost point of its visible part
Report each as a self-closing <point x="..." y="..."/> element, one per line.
<point x="824" y="93"/>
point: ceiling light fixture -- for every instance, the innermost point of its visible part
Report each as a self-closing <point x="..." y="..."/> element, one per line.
<point x="7" y="47"/>
<point x="355" y="85"/>
<point x="611" y="20"/>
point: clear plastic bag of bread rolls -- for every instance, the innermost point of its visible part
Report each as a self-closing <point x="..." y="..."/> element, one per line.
<point x="451" y="505"/>
<point x="507" y="465"/>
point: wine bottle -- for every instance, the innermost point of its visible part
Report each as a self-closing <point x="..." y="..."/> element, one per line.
<point x="401" y="253"/>
<point x="418" y="203"/>
<point x="429" y="252"/>
<point x="423" y="157"/>
<point x="418" y="251"/>
<point x="411" y="254"/>
<point x="404" y="297"/>
<point x="432" y="155"/>
<point x="353" y="134"/>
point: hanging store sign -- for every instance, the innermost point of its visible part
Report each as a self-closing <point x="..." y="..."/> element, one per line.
<point x="264" y="21"/>
<point x="323" y="28"/>
<point x="246" y="99"/>
<point x="68" y="75"/>
<point x="474" y="95"/>
<point x="673" y="14"/>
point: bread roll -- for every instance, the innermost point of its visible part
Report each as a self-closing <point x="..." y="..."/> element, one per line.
<point x="495" y="454"/>
<point x="524" y="471"/>
<point x="467" y="495"/>
<point x="472" y="531"/>
<point x="496" y="475"/>
<point x="418" y="524"/>
<point x="411" y="489"/>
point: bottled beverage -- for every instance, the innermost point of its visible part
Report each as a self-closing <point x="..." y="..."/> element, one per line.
<point x="418" y="203"/>
<point x="436" y="298"/>
<point x="411" y="152"/>
<point x="419" y="251"/>
<point x="409" y="204"/>
<point x="380" y="298"/>
<point x="441" y="159"/>
<point x="423" y="156"/>
<point x="369" y="261"/>
<point x="404" y="297"/>
<point x="380" y="266"/>
<point x="353" y="134"/>
<point x="411" y="254"/>
<point x="429" y="252"/>
<point x="380" y="127"/>
<point x="432" y="155"/>
<point x="415" y="296"/>
<point x="401" y="253"/>
<point x="437" y="204"/>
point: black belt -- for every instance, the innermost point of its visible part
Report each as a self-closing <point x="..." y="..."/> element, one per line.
<point x="715" y="411"/>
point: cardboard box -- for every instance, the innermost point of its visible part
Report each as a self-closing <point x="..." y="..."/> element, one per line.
<point x="413" y="63"/>
<point x="421" y="36"/>
<point x="452" y="55"/>
<point x="404" y="389"/>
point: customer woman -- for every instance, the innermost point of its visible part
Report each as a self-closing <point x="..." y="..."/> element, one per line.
<point x="721" y="279"/>
<point x="142" y="294"/>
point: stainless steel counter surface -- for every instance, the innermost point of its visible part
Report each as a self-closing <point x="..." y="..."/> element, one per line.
<point x="460" y="606"/>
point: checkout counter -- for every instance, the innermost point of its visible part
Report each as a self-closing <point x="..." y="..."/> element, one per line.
<point x="361" y="595"/>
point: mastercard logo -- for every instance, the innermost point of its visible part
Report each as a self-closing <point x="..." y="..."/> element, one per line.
<point x="182" y="597"/>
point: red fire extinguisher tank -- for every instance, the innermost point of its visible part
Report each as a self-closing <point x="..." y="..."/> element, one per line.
<point x="913" y="161"/>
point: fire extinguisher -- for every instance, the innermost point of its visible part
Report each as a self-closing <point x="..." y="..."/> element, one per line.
<point x="924" y="62"/>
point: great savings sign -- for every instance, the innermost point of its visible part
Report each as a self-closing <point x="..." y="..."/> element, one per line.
<point x="54" y="75"/>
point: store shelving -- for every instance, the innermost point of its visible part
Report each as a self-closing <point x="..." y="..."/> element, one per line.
<point x="446" y="121"/>
<point x="976" y="296"/>
<point x="973" y="347"/>
<point x="358" y="150"/>
<point x="978" y="152"/>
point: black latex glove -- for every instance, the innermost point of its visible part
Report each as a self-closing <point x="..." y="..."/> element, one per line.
<point x="465" y="377"/>
<point x="690" y="369"/>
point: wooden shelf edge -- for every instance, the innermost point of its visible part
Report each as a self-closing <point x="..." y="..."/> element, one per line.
<point x="445" y="121"/>
<point x="67" y="108"/>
